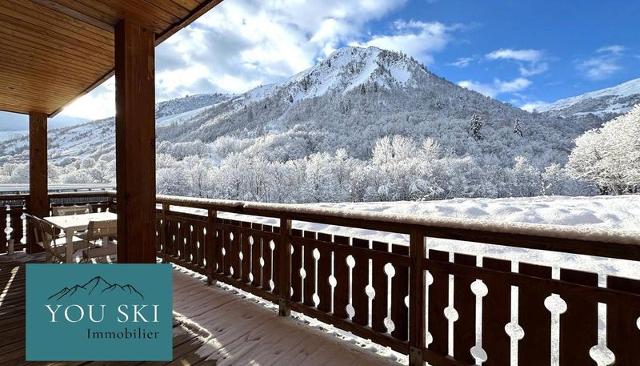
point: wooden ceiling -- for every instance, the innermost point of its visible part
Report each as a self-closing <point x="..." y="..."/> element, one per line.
<point x="53" y="51"/>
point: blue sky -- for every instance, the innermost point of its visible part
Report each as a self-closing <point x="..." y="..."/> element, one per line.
<point x="521" y="52"/>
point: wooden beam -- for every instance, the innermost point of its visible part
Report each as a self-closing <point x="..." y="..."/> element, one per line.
<point x="38" y="202"/>
<point x="204" y="7"/>
<point x="135" y="142"/>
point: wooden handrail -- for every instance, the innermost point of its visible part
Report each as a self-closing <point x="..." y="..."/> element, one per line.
<point x="612" y="243"/>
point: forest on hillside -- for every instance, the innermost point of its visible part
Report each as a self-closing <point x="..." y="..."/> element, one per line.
<point x="605" y="160"/>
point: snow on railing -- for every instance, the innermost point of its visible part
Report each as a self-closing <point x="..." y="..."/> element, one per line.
<point x="480" y="308"/>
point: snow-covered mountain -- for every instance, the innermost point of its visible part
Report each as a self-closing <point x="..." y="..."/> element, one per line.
<point x="348" y="102"/>
<point x="605" y="103"/>
<point x="358" y="95"/>
<point x="96" y="138"/>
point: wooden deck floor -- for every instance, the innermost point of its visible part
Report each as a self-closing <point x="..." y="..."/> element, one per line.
<point x="213" y="327"/>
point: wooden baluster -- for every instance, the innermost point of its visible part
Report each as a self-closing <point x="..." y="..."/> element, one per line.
<point x="284" y="266"/>
<point x="380" y="286"/>
<point x="182" y="234"/>
<point x="16" y="225"/>
<point x="212" y="245"/>
<point x="496" y="314"/>
<point x="310" y="270"/>
<point x="464" y="301"/>
<point x="399" y="291"/>
<point x="164" y="242"/>
<point x="276" y="261"/>
<point x="201" y="240"/>
<point x="192" y="238"/>
<point x="226" y="262"/>
<point x="417" y="331"/>
<point x="266" y="255"/>
<point x="535" y="348"/>
<point x="623" y="335"/>
<point x="359" y="281"/>
<point x="246" y="252"/>
<point x="324" y="271"/>
<point x="438" y="301"/>
<point x="296" y="265"/>
<point x="579" y="324"/>
<point x="3" y="226"/>
<point x="341" y="273"/>
<point x="256" y="253"/>
<point x="234" y="245"/>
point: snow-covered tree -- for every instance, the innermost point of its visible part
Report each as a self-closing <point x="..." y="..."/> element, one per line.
<point x="609" y="157"/>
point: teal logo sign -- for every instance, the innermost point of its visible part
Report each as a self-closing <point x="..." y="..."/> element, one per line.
<point x="99" y="312"/>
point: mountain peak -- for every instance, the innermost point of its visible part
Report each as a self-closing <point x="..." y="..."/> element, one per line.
<point x="351" y="67"/>
<point x="604" y="103"/>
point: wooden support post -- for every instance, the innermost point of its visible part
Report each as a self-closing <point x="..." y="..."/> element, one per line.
<point x="211" y="249"/>
<point x="417" y="330"/>
<point x="164" y="234"/>
<point x="38" y="202"/>
<point x="135" y="142"/>
<point x="284" y="267"/>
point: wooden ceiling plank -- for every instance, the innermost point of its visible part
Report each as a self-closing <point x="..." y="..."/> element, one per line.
<point x="13" y="80"/>
<point x="118" y="9"/>
<point x="28" y="31"/>
<point x="176" y="11"/>
<point x="57" y="60"/>
<point x="61" y="15"/>
<point x="96" y="60"/>
<point x="32" y="56"/>
<point x="22" y="56"/>
<point x="187" y="4"/>
<point x="153" y="13"/>
<point x="56" y="19"/>
<point x="78" y="14"/>
<point x="52" y="30"/>
<point x="12" y="73"/>
<point x="42" y="100"/>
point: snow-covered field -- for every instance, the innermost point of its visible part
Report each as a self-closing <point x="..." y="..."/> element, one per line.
<point x="619" y="214"/>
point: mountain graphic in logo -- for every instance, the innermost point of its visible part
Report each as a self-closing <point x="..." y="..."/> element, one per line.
<point x="95" y="287"/>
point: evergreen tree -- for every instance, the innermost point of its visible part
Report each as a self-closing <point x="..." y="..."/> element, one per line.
<point x="475" y="126"/>
<point x="517" y="127"/>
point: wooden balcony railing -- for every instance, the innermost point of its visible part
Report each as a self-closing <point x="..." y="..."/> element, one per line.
<point x="433" y="305"/>
<point x="13" y="226"/>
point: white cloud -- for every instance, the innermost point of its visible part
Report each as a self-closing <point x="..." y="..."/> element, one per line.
<point x="415" y="38"/>
<point x="497" y="87"/>
<point x="614" y="49"/>
<point x="604" y="64"/>
<point x="530" y="62"/>
<point x="533" y="69"/>
<point x="241" y="44"/>
<point x="462" y="62"/>
<point x="598" y="68"/>
<point x="100" y="103"/>
<point x="517" y="55"/>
